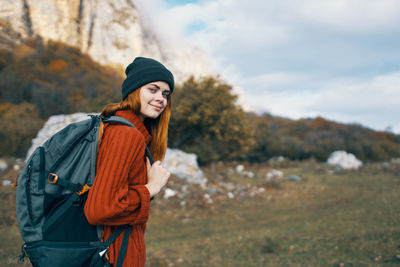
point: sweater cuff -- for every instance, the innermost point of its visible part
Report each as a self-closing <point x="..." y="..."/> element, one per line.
<point x="144" y="211"/>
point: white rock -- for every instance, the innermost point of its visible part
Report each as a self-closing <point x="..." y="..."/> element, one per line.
<point x="3" y="165"/>
<point x="208" y="198"/>
<point x="16" y="167"/>
<point x="385" y="164"/>
<point x="261" y="190"/>
<point x="168" y="193"/>
<point x="239" y="168"/>
<point x="6" y="183"/>
<point x="395" y="160"/>
<point x="248" y="174"/>
<point x="230" y="195"/>
<point x="344" y="160"/>
<point x="274" y="174"/>
<point x="184" y="165"/>
<point x="277" y="159"/>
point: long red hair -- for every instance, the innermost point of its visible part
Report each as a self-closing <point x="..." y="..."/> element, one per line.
<point x="158" y="128"/>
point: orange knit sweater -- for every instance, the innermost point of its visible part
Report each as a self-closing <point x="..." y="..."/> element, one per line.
<point x="118" y="195"/>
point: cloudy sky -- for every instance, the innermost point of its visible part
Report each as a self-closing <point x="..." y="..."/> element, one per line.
<point x="338" y="59"/>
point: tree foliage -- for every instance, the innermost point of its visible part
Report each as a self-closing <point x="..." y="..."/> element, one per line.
<point x="56" y="78"/>
<point x="206" y="121"/>
<point x="317" y="138"/>
<point x="20" y="124"/>
<point x="38" y="80"/>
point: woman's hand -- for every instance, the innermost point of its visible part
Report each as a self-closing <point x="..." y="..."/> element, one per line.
<point x="157" y="177"/>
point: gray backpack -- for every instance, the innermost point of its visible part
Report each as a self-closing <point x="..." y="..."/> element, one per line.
<point x="51" y="193"/>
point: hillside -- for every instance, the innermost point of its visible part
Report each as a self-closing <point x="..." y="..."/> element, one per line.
<point x="40" y="79"/>
<point x="317" y="138"/>
<point x="37" y="81"/>
<point x="112" y="32"/>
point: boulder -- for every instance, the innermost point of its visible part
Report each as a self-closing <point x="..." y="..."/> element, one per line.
<point x="277" y="159"/>
<point x="344" y="160"/>
<point x="295" y="178"/>
<point x="184" y="165"/>
<point x="169" y="193"/>
<point x="395" y="161"/>
<point x="6" y="183"/>
<point x="239" y="168"/>
<point x="208" y="199"/>
<point x="3" y="165"/>
<point x="274" y="175"/>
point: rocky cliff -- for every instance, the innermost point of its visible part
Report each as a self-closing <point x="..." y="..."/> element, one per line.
<point x="110" y="31"/>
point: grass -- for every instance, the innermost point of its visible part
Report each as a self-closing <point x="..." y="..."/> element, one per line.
<point x="340" y="219"/>
<point x="350" y="219"/>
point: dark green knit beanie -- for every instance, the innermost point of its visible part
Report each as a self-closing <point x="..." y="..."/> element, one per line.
<point x="143" y="71"/>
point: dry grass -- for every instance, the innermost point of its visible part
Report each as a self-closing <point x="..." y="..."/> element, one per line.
<point x="328" y="219"/>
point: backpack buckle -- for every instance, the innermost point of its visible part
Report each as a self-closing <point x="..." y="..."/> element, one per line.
<point x="104" y="255"/>
<point x="52" y="178"/>
<point x="85" y="188"/>
<point x="23" y="253"/>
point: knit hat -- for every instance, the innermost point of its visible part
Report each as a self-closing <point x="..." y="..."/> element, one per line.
<point x="143" y="71"/>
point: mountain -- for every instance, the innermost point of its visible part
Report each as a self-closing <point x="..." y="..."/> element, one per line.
<point x="112" y="32"/>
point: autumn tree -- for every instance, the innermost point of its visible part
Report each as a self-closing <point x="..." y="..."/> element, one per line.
<point x="19" y="125"/>
<point x="207" y="121"/>
<point x="56" y="78"/>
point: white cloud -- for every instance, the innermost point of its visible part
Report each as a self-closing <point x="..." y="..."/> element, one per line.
<point x="373" y="102"/>
<point x="352" y="15"/>
<point x="274" y="81"/>
<point x="338" y="59"/>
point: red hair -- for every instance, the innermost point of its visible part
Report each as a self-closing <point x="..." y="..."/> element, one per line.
<point x="158" y="127"/>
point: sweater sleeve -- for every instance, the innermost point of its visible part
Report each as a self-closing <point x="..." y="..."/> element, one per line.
<point x="112" y="200"/>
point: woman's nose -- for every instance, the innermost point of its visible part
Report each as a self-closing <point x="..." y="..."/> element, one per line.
<point x="159" y="96"/>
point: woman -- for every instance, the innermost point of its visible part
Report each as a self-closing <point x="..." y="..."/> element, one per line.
<point x="125" y="180"/>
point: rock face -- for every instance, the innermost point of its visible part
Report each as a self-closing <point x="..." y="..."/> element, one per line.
<point x="183" y="165"/>
<point x="110" y="31"/>
<point x="344" y="160"/>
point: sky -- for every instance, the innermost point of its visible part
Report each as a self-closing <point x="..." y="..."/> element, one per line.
<point x="338" y="59"/>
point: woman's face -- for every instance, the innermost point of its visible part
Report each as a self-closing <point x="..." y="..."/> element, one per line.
<point x="153" y="99"/>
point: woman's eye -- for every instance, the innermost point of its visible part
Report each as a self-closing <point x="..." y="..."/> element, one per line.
<point x="152" y="90"/>
<point x="166" y="94"/>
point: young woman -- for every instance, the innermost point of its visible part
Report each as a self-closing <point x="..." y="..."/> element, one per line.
<point x="125" y="180"/>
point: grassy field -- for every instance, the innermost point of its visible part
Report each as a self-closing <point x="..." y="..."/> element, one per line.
<point x="328" y="219"/>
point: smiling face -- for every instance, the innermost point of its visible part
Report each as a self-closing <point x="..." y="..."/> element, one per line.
<point x="153" y="99"/>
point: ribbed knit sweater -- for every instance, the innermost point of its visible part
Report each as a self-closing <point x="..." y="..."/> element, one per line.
<point x="118" y="195"/>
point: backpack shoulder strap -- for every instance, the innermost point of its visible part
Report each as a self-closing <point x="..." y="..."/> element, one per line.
<point x="120" y="120"/>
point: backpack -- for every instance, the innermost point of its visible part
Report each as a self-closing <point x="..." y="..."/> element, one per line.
<point x="51" y="194"/>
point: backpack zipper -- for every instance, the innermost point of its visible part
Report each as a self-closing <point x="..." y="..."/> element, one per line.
<point x="28" y="192"/>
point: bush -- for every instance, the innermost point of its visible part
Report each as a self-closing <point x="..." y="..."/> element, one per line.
<point x="207" y="121"/>
<point x="20" y="124"/>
